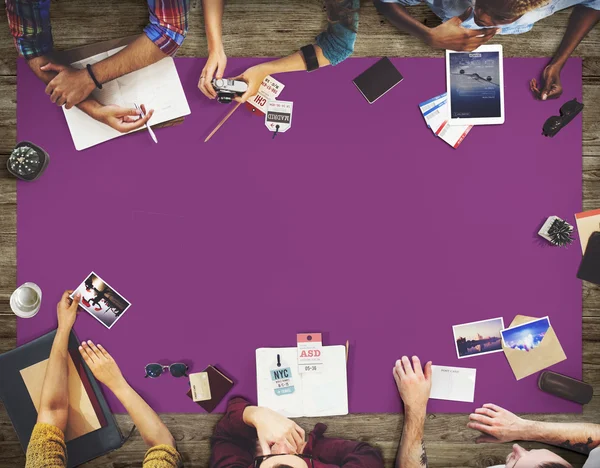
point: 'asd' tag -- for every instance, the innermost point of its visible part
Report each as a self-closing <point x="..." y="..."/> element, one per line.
<point x="278" y="118"/>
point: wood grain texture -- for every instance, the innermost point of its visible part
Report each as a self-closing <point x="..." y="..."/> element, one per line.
<point x="271" y="29"/>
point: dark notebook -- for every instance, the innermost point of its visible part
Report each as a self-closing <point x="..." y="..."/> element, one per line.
<point x="378" y="79"/>
<point x="220" y="385"/>
<point x="589" y="269"/>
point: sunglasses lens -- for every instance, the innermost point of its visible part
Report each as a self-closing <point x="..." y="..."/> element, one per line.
<point x="154" y="370"/>
<point x="178" y="370"/>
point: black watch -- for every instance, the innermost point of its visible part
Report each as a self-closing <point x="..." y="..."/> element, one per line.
<point x="310" y="57"/>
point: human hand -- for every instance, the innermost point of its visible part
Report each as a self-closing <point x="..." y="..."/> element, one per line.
<point x="551" y="87"/>
<point x="120" y="118"/>
<point x="453" y="36"/>
<point x="274" y="429"/>
<point x="214" y="68"/>
<point x="498" y="424"/>
<point x="413" y="383"/>
<point x="66" y="311"/>
<point x="102" y="365"/>
<point x="254" y="77"/>
<point x="70" y="86"/>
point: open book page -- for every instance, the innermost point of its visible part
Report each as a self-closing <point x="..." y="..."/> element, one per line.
<point x="274" y="389"/>
<point x="326" y="393"/>
<point x="157" y="86"/>
<point x="315" y="394"/>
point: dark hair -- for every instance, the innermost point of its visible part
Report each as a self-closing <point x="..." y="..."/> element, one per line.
<point x="341" y="11"/>
<point x="554" y="465"/>
<point x="515" y="7"/>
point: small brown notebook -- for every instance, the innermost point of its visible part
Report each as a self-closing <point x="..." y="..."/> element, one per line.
<point x="220" y="385"/>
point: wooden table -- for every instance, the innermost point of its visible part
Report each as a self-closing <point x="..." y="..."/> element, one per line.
<point x="273" y="29"/>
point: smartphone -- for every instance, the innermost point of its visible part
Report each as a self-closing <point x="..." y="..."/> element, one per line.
<point x="589" y="269"/>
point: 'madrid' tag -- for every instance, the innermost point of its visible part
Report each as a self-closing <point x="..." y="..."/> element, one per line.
<point x="310" y="355"/>
<point x="278" y="118"/>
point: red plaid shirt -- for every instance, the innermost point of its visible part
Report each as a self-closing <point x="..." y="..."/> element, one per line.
<point x="29" y="22"/>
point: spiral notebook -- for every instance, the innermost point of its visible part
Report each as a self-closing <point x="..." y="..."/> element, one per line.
<point x="282" y="389"/>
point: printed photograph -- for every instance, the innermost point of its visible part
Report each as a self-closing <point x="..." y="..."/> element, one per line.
<point x="104" y="303"/>
<point x="477" y="338"/>
<point x="526" y="336"/>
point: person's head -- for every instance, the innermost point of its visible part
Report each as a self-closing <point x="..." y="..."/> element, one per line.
<point x="284" y="461"/>
<point x="341" y="11"/>
<point x="498" y="12"/>
<point x="521" y="458"/>
<point x="283" y="455"/>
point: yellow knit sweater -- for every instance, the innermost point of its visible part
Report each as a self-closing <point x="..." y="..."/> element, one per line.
<point x="47" y="449"/>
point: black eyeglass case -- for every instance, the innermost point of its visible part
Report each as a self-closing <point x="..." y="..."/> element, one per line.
<point x="565" y="387"/>
<point x="22" y="412"/>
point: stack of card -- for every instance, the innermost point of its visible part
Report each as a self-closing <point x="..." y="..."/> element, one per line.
<point x="435" y="113"/>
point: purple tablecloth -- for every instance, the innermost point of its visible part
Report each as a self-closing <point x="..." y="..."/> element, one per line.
<point x="357" y="222"/>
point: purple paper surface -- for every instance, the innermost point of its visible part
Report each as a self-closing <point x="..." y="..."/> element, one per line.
<point x="357" y="223"/>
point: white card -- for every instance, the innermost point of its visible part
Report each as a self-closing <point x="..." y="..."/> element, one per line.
<point x="453" y="383"/>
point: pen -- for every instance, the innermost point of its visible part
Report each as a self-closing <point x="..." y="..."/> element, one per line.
<point x="143" y="114"/>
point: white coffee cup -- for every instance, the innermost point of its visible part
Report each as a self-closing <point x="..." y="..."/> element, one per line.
<point x="26" y="300"/>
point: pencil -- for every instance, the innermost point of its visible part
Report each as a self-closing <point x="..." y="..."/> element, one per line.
<point x="222" y="122"/>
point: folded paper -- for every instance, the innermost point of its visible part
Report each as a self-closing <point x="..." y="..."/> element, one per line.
<point x="546" y="354"/>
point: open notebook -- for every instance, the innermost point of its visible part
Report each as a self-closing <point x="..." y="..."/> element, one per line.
<point x="157" y="86"/>
<point x="314" y="394"/>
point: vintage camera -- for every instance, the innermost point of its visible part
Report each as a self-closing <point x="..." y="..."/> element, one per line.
<point x="228" y="89"/>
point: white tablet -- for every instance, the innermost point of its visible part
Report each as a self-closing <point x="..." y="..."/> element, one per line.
<point x="475" y="86"/>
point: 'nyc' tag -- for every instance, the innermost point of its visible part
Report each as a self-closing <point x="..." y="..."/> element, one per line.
<point x="310" y="352"/>
<point x="281" y="376"/>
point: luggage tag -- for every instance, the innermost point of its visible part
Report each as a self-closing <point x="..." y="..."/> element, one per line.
<point x="269" y="89"/>
<point x="310" y="353"/>
<point x="278" y="118"/>
<point x="281" y="376"/>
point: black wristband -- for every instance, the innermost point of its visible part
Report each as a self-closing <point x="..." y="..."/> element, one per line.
<point x="310" y="57"/>
<point x="96" y="82"/>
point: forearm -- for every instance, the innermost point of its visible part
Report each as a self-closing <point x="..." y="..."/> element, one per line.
<point x="88" y="106"/>
<point x="412" y="448"/>
<point x="151" y="428"/>
<point x="293" y="62"/>
<point x="581" y="22"/>
<point x="213" y="20"/>
<point x="54" y="402"/>
<point x="139" y="54"/>
<point x="402" y="20"/>
<point x="580" y="438"/>
<point x="36" y="63"/>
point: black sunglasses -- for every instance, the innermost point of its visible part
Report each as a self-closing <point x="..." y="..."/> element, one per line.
<point x="568" y="111"/>
<point x="178" y="369"/>
<point x="306" y="458"/>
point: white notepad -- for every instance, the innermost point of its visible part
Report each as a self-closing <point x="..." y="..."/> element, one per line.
<point x="315" y="394"/>
<point x="157" y="86"/>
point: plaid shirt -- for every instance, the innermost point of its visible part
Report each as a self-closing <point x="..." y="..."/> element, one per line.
<point x="29" y="22"/>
